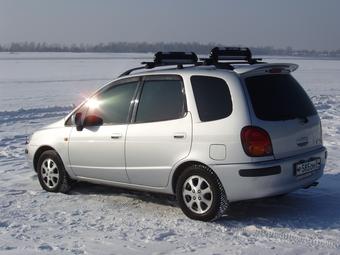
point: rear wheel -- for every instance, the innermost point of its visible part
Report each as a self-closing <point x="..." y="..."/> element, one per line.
<point x="51" y="173"/>
<point x="200" y="194"/>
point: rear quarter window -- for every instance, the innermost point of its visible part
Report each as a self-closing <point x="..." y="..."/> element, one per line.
<point x="278" y="97"/>
<point x="212" y="97"/>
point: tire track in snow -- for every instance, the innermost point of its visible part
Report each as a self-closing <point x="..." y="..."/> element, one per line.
<point x="289" y="237"/>
<point x="8" y="117"/>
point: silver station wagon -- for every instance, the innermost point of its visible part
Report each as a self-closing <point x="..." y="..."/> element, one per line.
<point x="211" y="131"/>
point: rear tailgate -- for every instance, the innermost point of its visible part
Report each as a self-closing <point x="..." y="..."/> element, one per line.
<point x="282" y="107"/>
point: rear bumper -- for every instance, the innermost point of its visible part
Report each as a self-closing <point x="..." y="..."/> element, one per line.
<point x="270" y="178"/>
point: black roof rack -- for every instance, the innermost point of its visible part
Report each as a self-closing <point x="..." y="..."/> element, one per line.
<point x="225" y="56"/>
<point x="167" y="59"/>
<point x="221" y="57"/>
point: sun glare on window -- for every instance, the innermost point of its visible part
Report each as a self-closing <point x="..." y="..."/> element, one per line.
<point x="93" y="103"/>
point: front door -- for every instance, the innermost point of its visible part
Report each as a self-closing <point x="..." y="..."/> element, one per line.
<point x="97" y="152"/>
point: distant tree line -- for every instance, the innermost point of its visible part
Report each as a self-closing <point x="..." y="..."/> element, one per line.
<point x="143" y="47"/>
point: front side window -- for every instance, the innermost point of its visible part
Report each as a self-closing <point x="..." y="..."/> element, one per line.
<point x="161" y="100"/>
<point x="212" y="97"/>
<point x="112" y="105"/>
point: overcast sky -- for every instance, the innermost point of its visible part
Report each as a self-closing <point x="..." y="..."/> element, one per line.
<point x="302" y="24"/>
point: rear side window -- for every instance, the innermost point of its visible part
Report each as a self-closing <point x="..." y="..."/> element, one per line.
<point x="212" y="97"/>
<point x="278" y="97"/>
<point x="161" y="100"/>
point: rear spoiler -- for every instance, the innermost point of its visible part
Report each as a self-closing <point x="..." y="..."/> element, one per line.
<point x="278" y="68"/>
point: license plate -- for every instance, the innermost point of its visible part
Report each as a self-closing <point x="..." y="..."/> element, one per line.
<point x="307" y="166"/>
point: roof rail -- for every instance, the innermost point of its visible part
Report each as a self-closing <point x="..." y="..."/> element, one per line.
<point x="225" y="56"/>
<point x="167" y="59"/>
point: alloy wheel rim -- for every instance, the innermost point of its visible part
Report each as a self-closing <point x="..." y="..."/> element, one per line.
<point x="50" y="173"/>
<point x="197" y="194"/>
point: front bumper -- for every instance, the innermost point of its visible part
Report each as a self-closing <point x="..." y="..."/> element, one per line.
<point x="239" y="187"/>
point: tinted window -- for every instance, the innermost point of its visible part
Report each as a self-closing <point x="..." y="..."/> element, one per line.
<point x="113" y="105"/>
<point x="212" y="97"/>
<point x="278" y="97"/>
<point x="160" y="100"/>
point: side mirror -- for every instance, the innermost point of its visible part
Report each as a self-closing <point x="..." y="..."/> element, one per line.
<point x="92" y="120"/>
<point x="78" y="121"/>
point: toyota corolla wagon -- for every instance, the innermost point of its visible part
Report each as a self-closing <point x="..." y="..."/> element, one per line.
<point x="211" y="131"/>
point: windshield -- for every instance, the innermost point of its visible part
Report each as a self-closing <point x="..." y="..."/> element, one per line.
<point x="278" y="97"/>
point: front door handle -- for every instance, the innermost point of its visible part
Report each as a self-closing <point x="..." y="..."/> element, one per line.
<point x="116" y="135"/>
<point x="179" y="135"/>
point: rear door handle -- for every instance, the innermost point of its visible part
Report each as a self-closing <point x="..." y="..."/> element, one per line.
<point x="179" y="135"/>
<point x="116" y="135"/>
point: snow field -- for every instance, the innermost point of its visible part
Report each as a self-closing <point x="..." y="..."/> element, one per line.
<point x="38" y="89"/>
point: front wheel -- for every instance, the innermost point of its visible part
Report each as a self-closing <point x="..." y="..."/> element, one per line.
<point x="200" y="193"/>
<point x="51" y="173"/>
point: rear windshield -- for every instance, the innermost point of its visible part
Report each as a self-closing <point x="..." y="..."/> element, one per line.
<point x="278" y="97"/>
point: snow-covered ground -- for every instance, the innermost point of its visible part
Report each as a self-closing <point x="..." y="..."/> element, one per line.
<point x="37" y="89"/>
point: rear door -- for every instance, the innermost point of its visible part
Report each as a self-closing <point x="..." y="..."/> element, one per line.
<point x="160" y="133"/>
<point x="282" y="107"/>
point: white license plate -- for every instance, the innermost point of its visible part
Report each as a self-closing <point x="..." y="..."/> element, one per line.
<point x="307" y="167"/>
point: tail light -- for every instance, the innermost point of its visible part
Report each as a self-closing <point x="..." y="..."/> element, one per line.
<point x="256" y="142"/>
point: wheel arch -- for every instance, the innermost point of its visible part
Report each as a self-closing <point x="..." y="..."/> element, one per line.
<point x="179" y="169"/>
<point x="38" y="153"/>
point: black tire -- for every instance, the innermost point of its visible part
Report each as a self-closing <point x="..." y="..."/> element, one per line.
<point x="219" y="202"/>
<point x="62" y="183"/>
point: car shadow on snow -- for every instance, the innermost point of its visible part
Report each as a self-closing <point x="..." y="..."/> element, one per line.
<point x="314" y="208"/>
<point x="84" y="188"/>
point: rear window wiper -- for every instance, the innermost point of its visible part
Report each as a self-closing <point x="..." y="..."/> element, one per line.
<point x="304" y="119"/>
